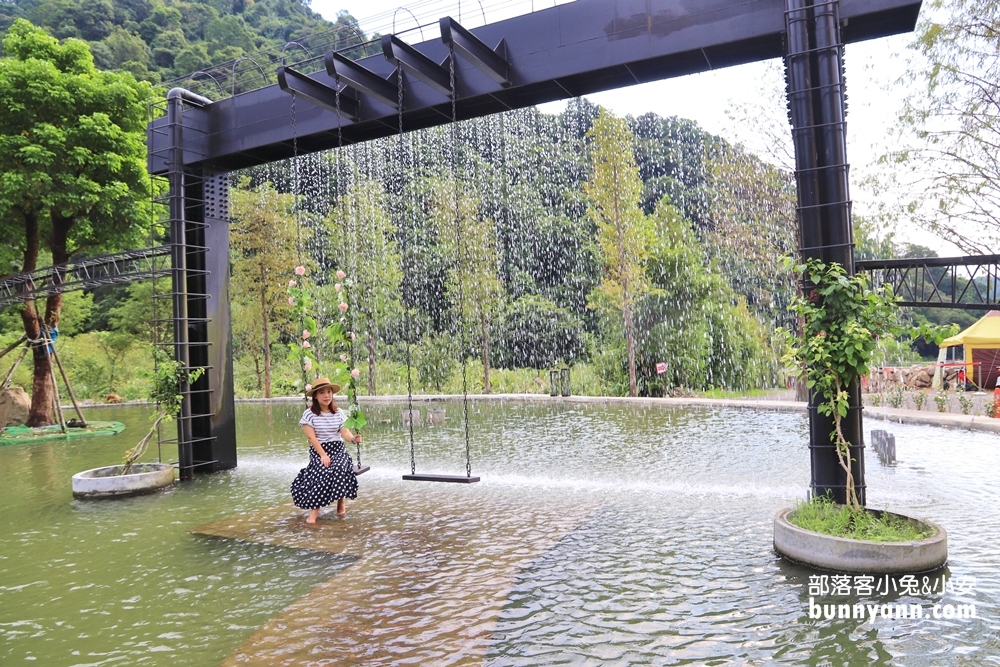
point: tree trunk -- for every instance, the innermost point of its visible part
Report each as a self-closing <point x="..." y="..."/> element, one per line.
<point x="40" y="413"/>
<point x="484" y="335"/>
<point x="258" y="371"/>
<point x="41" y="391"/>
<point x="371" y="359"/>
<point x="266" y="337"/>
<point x="630" y="346"/>
<point x="42" y="405"/>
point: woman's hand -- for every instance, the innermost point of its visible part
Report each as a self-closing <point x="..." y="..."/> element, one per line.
<point x="357" y="439"/>
<point x="325" y="460"/>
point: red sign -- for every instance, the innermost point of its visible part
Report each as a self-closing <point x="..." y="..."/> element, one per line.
<point x="661" y="368"/>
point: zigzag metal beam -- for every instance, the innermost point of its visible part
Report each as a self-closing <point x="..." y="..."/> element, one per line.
<point x="115" y="269"/>
<point x="403" y="55"/>
<point x="965" y="283"/>
<point x="318" y="93"/>
<point x="361" y="78"/>
<point x="475" y="51"/>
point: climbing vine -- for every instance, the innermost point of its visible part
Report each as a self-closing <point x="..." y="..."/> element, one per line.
<point x="841" y="319"/>
<point x="338" y="342"/>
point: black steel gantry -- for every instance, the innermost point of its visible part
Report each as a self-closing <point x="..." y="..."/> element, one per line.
<point x="557" y="53"/>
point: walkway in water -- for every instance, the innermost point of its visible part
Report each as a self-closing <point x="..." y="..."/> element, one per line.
<point x="428" y="585"/>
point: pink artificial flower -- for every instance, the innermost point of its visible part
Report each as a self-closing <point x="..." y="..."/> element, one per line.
<point x="305" y="334"/>
<point x="350" y="334"/>
<point x="342" y="306"/>
<point x="306" y="344"/>
<point x="291" y="301"/>
<point x="341" y="275"/>
<point x="300" y="270"/>
<point x="292" y="283"/>
<point x="307" y="366"/>
<point x="343" y="357"/>
<point x="355" y="373"/>
<point x="308" y="387"/>
<point x="338" y="287"/>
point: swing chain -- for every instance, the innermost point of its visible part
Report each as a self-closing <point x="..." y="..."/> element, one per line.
<point x="461" y="253"/>
<point x="406" y="318"/>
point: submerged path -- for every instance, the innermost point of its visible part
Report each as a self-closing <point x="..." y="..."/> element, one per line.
<point x="429" y="582"/>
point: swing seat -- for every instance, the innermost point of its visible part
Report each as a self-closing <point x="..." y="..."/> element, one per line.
<point x="360" y="470"/>
<point x="456" y="479"/>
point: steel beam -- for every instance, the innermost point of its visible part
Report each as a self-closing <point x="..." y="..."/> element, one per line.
<point x="362" y="79"/>
<point x="318" y="93"/>
<point x="569" y="50"/>
<point x="413" y="62"/>
<point x="475" y="51"/>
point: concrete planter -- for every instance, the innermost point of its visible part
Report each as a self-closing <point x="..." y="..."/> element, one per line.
<point x="106" y="483"/>
<point x="845" y="555"/>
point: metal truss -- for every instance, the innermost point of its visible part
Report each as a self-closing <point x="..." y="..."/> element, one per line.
<point x="114" y="269"/>
<point x="966" y="283"/>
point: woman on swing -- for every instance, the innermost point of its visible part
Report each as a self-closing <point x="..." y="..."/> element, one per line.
<point x="330" y="473"/>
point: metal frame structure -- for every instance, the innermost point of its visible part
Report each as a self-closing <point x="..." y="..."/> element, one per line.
<point x="565" y="51"/>
<point x="88" y="273"/>
<point x="967" y="283"/>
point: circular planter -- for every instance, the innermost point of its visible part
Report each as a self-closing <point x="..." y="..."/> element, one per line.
<point x="105" y="483"/>
<point x="845" y="555"/>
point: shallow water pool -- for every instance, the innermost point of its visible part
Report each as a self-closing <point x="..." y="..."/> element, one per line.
<point x="663" y="557"/>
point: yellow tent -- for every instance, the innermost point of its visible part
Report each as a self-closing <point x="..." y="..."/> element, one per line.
<point x="982" y="349"/>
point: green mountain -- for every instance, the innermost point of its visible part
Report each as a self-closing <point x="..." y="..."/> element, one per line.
<point x="158" y="40"/>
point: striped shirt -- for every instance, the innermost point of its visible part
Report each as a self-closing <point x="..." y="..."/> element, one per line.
<point x="326" y="424"/>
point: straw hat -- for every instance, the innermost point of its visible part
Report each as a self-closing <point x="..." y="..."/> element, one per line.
<point x="322" y="383"/>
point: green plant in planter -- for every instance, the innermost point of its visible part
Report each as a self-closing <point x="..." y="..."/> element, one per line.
<point x="841" y="318"/>
<point x="165" y="392"/>
<point x="919" y="399"/>
<point x="821" y="515"/>
<point x="966" y="404"/>
<point x="941" y="398"/>
<point x="896" y="397"/>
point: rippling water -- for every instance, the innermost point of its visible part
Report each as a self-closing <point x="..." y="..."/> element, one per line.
<point x="599" y="535"/>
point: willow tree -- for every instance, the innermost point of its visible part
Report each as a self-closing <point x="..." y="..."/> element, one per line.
<point x="473" y="282"/>
<point x="363" y="237"/>
<point x="751" y="226"/>
<point x="264" y="241"/>
<point x="72" y="168"/>
<point x="624" y="233"/>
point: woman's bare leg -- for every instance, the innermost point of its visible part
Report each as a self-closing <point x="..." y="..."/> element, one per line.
<point x="341" y="506"/>
<point x="313" y="515"/>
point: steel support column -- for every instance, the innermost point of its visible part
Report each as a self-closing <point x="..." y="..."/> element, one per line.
<point x="814" y="70"/>
<point x="199" y="219"/>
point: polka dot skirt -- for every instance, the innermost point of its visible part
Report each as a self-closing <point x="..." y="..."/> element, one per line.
<point x="317" y="486"/>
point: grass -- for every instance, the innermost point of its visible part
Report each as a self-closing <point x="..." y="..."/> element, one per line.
<point x="823" y="516"/>
<point x="744" y="393"/>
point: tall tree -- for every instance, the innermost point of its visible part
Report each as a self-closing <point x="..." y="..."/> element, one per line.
<point x="72" y="159"/>
<point x="624" y="233"/>
<point x="363" y="236"/>
<point x="264" y="241"/>
<point x="473" y="282"/>
<point x="751" y="225"/>
<point x="948" y="172"/>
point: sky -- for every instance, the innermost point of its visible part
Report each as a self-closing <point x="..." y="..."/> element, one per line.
<point x="731" y="102"/>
